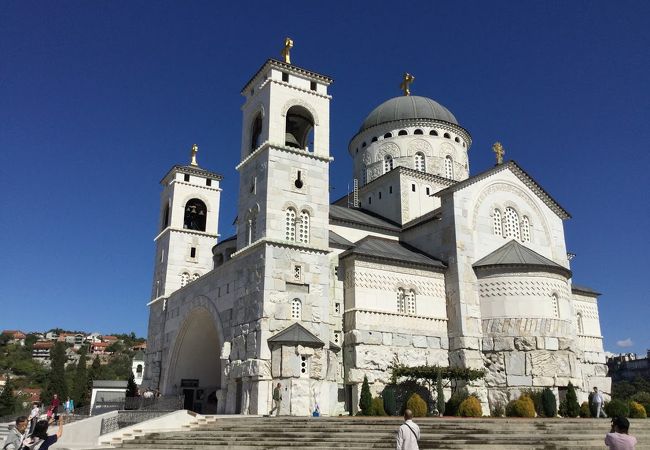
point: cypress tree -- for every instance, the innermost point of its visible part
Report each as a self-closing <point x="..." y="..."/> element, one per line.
<point x="80" y="386"/>
<point x="7" y="399"/>
<point x="365" y="402"/>
<point x="131" y="387"/>
<point x="56" y="378"/>
<point x="572" y="405"/>
<point x="440" y="400"/>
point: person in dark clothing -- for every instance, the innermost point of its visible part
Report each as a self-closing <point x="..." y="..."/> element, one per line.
<point x="40" y="439"/>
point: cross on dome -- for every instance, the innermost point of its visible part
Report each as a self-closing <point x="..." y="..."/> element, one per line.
<point x="406" y="83"/>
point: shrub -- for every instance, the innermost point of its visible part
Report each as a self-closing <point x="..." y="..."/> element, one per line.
<point x="390" y="406"/>
<point x="365" y="402"/>
<point x="498" y="409"/>
<point x="572" y="405"/>
<point x="562" y="409"/>
<point x="377" y="408"/>
<point x="470" y="407"/>
<point x="637" y="411"/>
<point x="522" y="407"/>
<point x="452" y="405"/>
<point x="585" y="410"/>
<point x="417" y="406"/>
<point x="536" y="397"/>
<point x="643" y="398"/>
<point x="617" y="408"/>
<point x="549" y="404"/>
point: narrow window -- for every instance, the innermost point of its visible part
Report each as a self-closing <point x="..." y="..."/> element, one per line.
<point x="428" y="190"/>
<point x="390" y="189"/>
<point x="449" y="167"/>
<point x="208" y="182"/>
<point x="433" y="133"/>
<point x="496" y="223"/>
<point x="304" y="366"/>
<point x="511" y="226"/>
<point x="337" y="308"/>
<point x="525" y="229"/>
<point x="388" y="163"/>
<point x="410" y="302"/>
<point x="413" y="187"/>
<point x="193" y="252"/>
<point x="363" y="144"/>
<point x="554" y="305"/>
<point x="251" y="229"/>
<point x="185" y="278"/>
<point x="419" y="162"/>
<point x="162" y="255"/>
<point x="298" y="183"/>
<point x="303" y="232"/>
<point x="402" y="133"/>
<point x="285" y="77"/>
<point x="312" y="86"/>
<point x="581" y="326"/>
<point x="256" y="132"/>
<point x="374" y="139"/>
<point x="186" y="177"/>
<point x="447" y="136"/>
<point x="418" y="131"/>
<point x="379" y="194"/>
<point x="337" y="337"/>
<point x="195" y="277"/>
<point x="388" y="135"/>
<point x="400" y="300"/>
<point x="296" y="309"/>
<point x="297" y="272"/>
<point x="457" y="139"/>
<point x="290" y="224"/>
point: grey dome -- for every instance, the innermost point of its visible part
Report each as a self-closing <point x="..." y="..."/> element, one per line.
<point x="407" y="107"/>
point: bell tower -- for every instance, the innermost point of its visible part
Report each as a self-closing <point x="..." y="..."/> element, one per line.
<point x="189" y="217"/>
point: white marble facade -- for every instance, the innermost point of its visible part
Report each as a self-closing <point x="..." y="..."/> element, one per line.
<point x="429" y="265"/>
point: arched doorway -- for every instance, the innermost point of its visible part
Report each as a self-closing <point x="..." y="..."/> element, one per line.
<point x="195" y="365"/>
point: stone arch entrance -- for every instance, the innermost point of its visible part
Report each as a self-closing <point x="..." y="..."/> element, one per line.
<point x="195" y="365"/>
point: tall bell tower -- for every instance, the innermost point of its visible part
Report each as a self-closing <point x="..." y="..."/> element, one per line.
<point x="282" y="227"/>
<point x="189" y="218"/>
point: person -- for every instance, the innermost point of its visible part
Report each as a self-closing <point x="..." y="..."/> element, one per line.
<point x="39" y="439"/>
<point x="617" y="438"/>
<point x="16" y="435"/>
<point x="597" y="400"/>
<point x="33" y="416"/>
<point x="408" y="434"/>
<point x="277" y="400"/>
<point x="56" y="402"/>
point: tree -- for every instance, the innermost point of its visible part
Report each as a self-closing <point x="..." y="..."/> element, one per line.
<point x="131" y="387"/>
<point x="549" y="404"/>
<point x="56" y="379"/>
<point x="440" y="397"/>
<point x="94" y="373"/>
<point x="572" y="405"/>
<point x="80" y="383"/>
<point x="365" y="402"/>
<point x="7" y="399"/>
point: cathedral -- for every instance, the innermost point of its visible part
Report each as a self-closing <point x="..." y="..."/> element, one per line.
<point x="421" y="263"/>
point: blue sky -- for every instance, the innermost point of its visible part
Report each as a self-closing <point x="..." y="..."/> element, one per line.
<point x="99" y="99"/>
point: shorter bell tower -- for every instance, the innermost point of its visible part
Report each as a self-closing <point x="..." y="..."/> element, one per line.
<point x="189" y="218"/>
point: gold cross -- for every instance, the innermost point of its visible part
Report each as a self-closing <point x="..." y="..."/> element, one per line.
<point x="406" y="83"/>
<point x="288" y="45"/>
<point x="498" y="150"/>
<point x="195" y="150"/>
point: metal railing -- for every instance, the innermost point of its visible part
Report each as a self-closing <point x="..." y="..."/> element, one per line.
<point x="134" y="410"/>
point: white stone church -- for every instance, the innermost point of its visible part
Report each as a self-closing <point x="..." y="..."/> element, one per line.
<point x="422" y="263"/>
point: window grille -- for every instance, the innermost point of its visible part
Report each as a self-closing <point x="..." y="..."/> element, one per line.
<point x="290" y="224"/>
<point x="303" y="232"/>
<point x="525" y="229"/>
<point x="511" y="227"/>
<point x="388" y="163"/>
<point x="449" y="167"/>
<point x="496" y="223"/>
<point x="185" y="278"/>
<point x="296" y="309"/>
<point x="554" y="303"/>
<point x="419" y="162"/>
<point x="410" y="302"/>
<point x="400" y="300"/>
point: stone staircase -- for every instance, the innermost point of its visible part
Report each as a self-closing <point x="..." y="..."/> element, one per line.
<point x="257" y="433"/>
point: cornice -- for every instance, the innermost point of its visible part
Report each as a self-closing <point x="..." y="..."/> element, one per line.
<point x="284" y="148"/>
<point x="394" y="262"/>
<point x="279" y="243"/>
<point x="206" y="188"/>
<point x="290" y="68"/>
<point x="186" y="231"/>
<point x="190" y="170"/>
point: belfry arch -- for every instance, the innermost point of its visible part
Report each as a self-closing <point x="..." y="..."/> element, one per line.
<point x="195" y="366"/>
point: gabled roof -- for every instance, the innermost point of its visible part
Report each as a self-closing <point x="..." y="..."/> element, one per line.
<point x="361" y="217"/>
<point x="296" y="334"/>
<point x="585" y="290"/>
<point x="519" y="173"/>
<point x="513" y="254"/>
<point x="336" y="240"/>
<point x="391" y="250"/>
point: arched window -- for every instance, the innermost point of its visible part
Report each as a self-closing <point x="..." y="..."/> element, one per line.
<point x="400" y="300"/>
<point x="296" y="309"/>
<point x="447" y="136"/>
<point x="256" y="132"/>
<point x="581" y="325"/>
<point x="251" y="228"/>
<point x="290" y="224"/>
<point x="457" y="139"/>
<point x="185" y="278"/>
<point x="433" y="133"/>
<point x="195" y="277"/>
<point x="410" y="302"/>
<point x="138" y="369"/>
<point x="374" y="139"/>
<point x="511" y="225"/>
<point x="449" y="167"/>
<point x="496" y="223"/>
<point x="388" y="163"/>
<point x="388" y="135"/>
<point x="195" y="215"/>
<point x="419" y="161"/>
<point x="165" y="218"/>
<point x="364" y="144"/>
<point x="554" y="305"/>
<point x="402" y="133"/>
<point x="303" y="230"/>
<point x="525" y="229"/>
<point x="299" y="128"/>
<point x="418" y="131"/>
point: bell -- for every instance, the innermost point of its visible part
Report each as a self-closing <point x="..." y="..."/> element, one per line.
<point x="291" y="141"/>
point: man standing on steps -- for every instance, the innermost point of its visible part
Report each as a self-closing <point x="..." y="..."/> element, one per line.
<point x="408" y="434"/>
<point x="277" y="400"/>
<point x="597" y="400"/>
